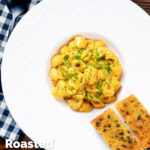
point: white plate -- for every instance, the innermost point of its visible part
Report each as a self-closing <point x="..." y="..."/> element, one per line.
<point x="26" y="85"/>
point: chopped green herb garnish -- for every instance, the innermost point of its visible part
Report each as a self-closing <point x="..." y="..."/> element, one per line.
<point x="91" y="50"/>
<point x="98" y="86"/>
<point x="66" y="58"/>
<point x="109" y="69"/>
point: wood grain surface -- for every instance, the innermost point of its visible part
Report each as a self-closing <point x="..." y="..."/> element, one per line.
<point x="145" y="4"/>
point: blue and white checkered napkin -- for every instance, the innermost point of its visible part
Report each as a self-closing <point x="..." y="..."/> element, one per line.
<point x="8" y="127"/>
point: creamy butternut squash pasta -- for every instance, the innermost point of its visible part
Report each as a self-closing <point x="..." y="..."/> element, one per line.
<point x="86" y="74"/>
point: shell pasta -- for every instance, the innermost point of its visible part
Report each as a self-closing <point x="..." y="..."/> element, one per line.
<point x="86" y="74"/>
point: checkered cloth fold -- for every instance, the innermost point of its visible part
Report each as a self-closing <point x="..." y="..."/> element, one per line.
<point x="8" y="127"/>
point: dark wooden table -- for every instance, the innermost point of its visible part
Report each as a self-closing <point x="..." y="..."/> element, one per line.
<point x="145" y="4"/>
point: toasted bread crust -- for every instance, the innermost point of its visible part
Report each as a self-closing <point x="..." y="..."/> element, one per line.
<point x="114" y="132"/>
<point x="137" y="118"/>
